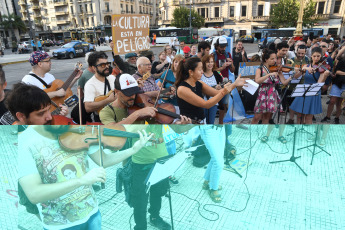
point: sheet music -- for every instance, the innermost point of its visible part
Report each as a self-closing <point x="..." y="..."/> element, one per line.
<point x="252" y="86"/>
<point x="312" y="89"/>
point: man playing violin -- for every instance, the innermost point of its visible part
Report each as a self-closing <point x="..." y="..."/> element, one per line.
<point x="59" y="181"/>
<point x="126" y="88"/>
<point x="40" y="76"/>
<point x="329" y="61"/>
<point x="148" y="85"/>
<point x="30" y="105"/>
<point x="100" y="84"/>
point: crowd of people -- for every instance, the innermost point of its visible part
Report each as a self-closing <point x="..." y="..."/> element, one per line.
<point x="183" y="86"/>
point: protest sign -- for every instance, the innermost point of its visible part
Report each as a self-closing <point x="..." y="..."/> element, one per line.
<point x="248" y="69"/>
<point x="130" y="33"/>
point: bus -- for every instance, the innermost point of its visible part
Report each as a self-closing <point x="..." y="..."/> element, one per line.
<point x="164" y="35"/>
<point x="81" y="35"/>
<point x="285" y="32"/>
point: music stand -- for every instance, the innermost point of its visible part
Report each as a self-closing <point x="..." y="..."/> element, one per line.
<point x="315" y="145"/>
<point x="292" y="158"/>
<point x="163" y="168"/>
<point x="305" y="90"/>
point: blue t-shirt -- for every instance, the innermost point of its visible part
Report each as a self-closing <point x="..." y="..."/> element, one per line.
<point x="171" y="78"/>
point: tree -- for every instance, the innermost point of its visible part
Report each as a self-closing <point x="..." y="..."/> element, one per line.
<point x="285" y="14"/>
<point x="181" y="18"/>
<point x="12" y="22"/>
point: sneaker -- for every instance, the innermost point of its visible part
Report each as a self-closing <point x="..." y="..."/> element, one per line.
<point x="159" y="223"/>
<point x="290" y="122"/>
<point x="314" y="119"/>
<point x="326" y="119"/>
<point x="336" y="120"/>
<point x="322" y="142"/>
<point x="173" y="180"/>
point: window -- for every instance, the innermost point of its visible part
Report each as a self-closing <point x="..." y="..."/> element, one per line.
<point x="91" y="8"/>
<point x="121" y="7"/>
<point x="261" y="10"/>
<point x="232" y="11"/>
<point x="131" y="8"/>
<point x="71" y="10"/>
<point x="336" y="7"/>
<point x="321" y="8"/>
<point x="81" y="8"/>
<point x="53" y="19"/>
<point x="244" y="11"/>
<point x="126" y="8"/>
<point x="203" y="12"/>
<point x="216" y="12"/>
<point x="107" y="6"/>
<point x="85" y="7"/>
<point x="333" y="31"/>
<point x="139" y="9"/>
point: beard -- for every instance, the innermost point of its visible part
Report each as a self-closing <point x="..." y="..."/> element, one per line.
<point x="56" y="129"/>
<point x="128" y="103"/>
<point x="103" y="73"/>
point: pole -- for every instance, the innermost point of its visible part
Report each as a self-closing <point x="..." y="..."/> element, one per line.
<point x="190" y="20"/>
<point x="298" y="32"/>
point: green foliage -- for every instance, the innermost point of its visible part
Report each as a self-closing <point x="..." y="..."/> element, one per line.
<point x="181" y="18"/>
<point x="11" y="22"/>
<point x="285" y="14"/>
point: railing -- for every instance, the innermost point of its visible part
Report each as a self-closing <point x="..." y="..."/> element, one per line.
<point x="201" y="1"/>
<point x="61" y="3"/>
<point x="36" y="7"/>
<point x="61" y="12"/>
<point x="166" y="21"/>
<point x="63" y="22"/>
<point x="107" y="11"/>
<point x="261" y="18"/>
<point x="321" y="16"/>
<point x="219" y="19"/>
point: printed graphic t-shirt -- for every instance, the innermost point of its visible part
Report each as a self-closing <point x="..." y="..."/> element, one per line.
<point x="38" y="154"/>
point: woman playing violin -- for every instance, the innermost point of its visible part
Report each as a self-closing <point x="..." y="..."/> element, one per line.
<point x="268" y="98"/>
<point x="312" y="104"/>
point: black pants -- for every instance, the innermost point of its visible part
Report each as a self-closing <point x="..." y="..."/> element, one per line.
<point x="140" y="197"/>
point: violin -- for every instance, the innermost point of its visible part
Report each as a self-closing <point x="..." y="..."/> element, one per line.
<point x="62" y="120"/>
<point x="165" y="114"/>
<point x="283" y="68"/>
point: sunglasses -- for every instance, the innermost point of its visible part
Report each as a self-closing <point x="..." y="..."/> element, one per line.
<point x="323" y="46"/>
<point x="103" y="65"/>
<point x="47" y="60"/>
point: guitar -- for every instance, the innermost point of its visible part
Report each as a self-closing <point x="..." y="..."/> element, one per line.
<point x="103" y="97"/>
<point x="59" y="84"/>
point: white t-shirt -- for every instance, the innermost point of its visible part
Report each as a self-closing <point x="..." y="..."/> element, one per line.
<point x="40" y="155"/>
<point x="94" y="88"/>
<point x="48" y="78"/>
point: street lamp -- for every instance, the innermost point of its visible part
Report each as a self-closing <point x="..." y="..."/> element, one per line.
<point x="298" y="32"/>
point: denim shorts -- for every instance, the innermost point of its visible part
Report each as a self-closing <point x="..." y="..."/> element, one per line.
<point x="336" y="91"/>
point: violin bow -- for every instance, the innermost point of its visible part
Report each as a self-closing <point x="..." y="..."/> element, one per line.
<point x="165" y="76"/>
<point x="79" y="105"/>
<point x="100" y="151"/>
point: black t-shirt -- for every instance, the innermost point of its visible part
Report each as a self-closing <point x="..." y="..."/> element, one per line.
<point x="154" y="65"/>
<point x="190" y="110"/>
<point x="237" y="58"/>
<point x="340" y="79"/>
<point x="3" y="108"/>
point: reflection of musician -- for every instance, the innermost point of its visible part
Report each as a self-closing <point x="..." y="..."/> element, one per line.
<point x="30" y="105"/>
<point x="126" y="89"/>
<point x="100" y="84"/>
<point x="149" y="85"/>
<point x="40" y="76"/>
<point x="59" y="182"/>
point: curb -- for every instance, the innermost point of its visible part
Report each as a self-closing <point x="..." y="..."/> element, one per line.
<point x="15" y="62"/>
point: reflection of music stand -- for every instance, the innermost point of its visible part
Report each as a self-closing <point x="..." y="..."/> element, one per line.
<point x="305" y="90"/>
<point x="292" y="158"/>
<point x="315" y="145"/>
<point x="163" y="168"/>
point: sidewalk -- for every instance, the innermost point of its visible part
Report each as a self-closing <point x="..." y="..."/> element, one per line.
<point x="12" y="58"/>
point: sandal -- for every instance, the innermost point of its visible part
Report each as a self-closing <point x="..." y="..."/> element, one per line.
<point x="215" y="197"/>
<point x="282" y="139"/>
<point x="264" y="139"/>
<point x="205" y="186"/>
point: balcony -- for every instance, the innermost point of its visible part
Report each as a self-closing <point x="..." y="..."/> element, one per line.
<point x="61" y="22"/>
<point x="38" y="23"/>
<point x="33" y="0"/>
<point x="61" y="3"/>
<point x="21" y="2"/>
<point x="175" y="2"/>
<point x="58" y="13"/>
<point x="321" y="16"/>
<point x="22" y="10"/>
<point x="216" y="0"/>
<point x="37" y="16"/>
<point x="201" y="1"/>
<point x="107" y="11"/>
<point x="211" y="20"/>
<point x="36" y="7"/>
<point x="122" y="11"/>
<point x="261" y="18"/>
<point x="167" y="22"/>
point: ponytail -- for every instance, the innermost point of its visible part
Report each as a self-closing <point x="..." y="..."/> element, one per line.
<point x="183" y="68"/>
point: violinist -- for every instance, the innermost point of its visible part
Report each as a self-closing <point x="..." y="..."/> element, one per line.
<point x="30" y="105"/>
<point x="268" y="98"/>
<point x="312" y="104"/>
<point x="337" y="88"/>
<point x="59" y="181"/>
<point x="282" y="50"/>
<point x="148" y="85"/>
<point x="329" y="62"/>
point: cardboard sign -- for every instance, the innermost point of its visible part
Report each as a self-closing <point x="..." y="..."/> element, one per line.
<point x="248" y="69"/>
<point x="130" y="33"/>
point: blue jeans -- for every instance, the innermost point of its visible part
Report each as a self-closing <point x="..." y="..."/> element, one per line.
<point x="214" y="139"/>
<point x="93" y="223"/>
<point x="210" y="114"/>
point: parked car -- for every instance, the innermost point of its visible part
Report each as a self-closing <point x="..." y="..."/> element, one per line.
<point x="59" y="42"/>
<point x="88" y="47"/>
<point x="70" y="50"/>
<point x="246" y="38"/>
<point x="24" y="47"/>
<point x="47" y="43"/>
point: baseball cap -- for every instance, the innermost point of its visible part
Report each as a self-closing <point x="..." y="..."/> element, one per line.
<point x="129" y="55"/>
<point x="186" y="49"/>
<point x="222" y="41"/>
<point x="126" y="84"/>
<point x="37" y="56"/>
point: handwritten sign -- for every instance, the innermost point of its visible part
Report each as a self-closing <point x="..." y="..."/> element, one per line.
<point x="130" y="33"/>
<point x="248" y="69"/>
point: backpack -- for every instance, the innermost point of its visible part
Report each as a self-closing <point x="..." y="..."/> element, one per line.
<point x="227" y="55"/>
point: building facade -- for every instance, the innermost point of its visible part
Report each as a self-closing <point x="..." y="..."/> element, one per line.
<point x="244" y="17"/>
<point x="8" y="7"/>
